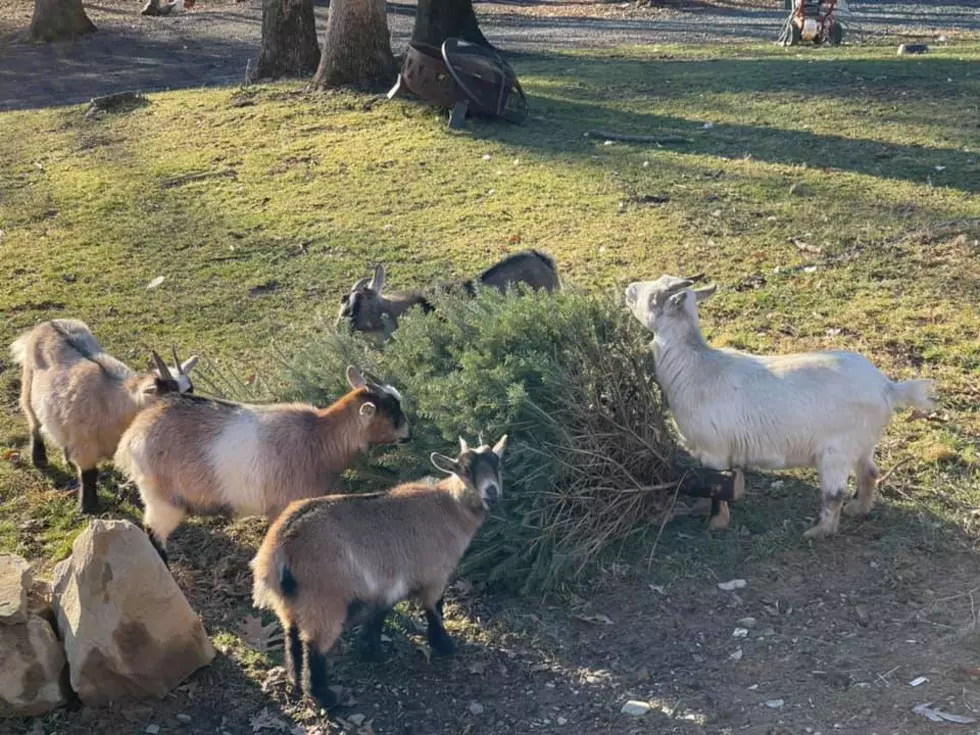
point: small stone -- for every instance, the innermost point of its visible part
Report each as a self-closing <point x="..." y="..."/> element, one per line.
<point x="152" y="729"/>
<point x="863" y="617"/>
<point x="561" y="721"/>
<point x="737" y="656"/>
<point x="476" y="709"/>
<point x="740" y="633"/>
<point x="747" y="622"/>
<point x="735" y="584"/>
<point x="775" y="703"/>
<point x="357" y="720"/>
<point x="635" y="708"/>
<point x="487" y="156"/>
<point x="184" y="719"/>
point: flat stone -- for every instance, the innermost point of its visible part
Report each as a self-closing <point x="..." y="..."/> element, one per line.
<point x="32" y="669"/>
<point x="636" y="708"/>
<point x="15" y="581"/>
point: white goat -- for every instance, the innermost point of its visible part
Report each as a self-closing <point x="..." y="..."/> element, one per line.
<point x="82" y="398"/>
<point x="822" y="409"/>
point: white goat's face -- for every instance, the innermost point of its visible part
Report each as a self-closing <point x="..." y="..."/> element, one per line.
<point x="653" y="302"/>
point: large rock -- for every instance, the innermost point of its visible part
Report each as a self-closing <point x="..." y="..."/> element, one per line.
<point x="127" y="628"/>
<point x="15" y="581"/>
<point x="32" y="669"/>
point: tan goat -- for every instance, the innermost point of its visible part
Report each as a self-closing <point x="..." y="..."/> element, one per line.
<point x="347" y="559"/>
<point x="82" y="398"/>
<point x="199" y="455"/>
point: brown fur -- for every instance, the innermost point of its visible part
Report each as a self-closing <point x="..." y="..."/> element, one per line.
<point x="410" y="539"/>
<point x="364" y="309"/>
<point x="77" y="394"/>
<point x="327" y="557"/>
<point x="198" y="455"/>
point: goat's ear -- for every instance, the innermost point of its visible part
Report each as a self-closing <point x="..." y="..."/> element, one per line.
<point x="500" y="446"/>
<point x="677" y="300"/>
<point x="189" y="364"/>
<point x="703" y="294"/>
<point x="368" y="409"/>
<point x="443" y="463"/>
<point x="378" y="282"/>
<point x="354" y="377"/>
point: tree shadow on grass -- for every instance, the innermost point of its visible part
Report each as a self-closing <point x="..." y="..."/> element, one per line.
<point x="609" y="94"/>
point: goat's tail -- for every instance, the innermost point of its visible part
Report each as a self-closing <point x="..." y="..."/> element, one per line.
<point x="274" y="581"/>
<point x="18" y="350"/>
<point x="912" y="394"/>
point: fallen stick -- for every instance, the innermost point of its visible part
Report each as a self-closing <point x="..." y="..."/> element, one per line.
<point x="187" y="178"/>
<point x="628" y="138"/>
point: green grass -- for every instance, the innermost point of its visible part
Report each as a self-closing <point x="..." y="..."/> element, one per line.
<point x="862" y="163"/>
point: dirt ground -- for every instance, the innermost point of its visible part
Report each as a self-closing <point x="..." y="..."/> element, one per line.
<point x="824" y="639"/>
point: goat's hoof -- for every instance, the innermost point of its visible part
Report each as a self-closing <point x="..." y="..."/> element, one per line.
<point x="856" y="508"/>
<point x="721" y="521"/>
<point x="738" y="486"/>
<point x="443" y="646"/>
<point x="818" y="532"/>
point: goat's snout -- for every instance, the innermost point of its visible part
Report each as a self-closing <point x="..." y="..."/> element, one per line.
<point x="492" y="493"/>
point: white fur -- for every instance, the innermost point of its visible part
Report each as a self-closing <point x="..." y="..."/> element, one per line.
<point x="235" y="458"/>
<point x="824" y="409"/>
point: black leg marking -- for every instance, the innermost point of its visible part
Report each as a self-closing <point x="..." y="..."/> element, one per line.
<point x="39" y="454"/>
<point x="371" y="649"/>
<point x="294" y="655"/>
<point x="158" y="546"/>
<point x="439" y="639"/>
<point x="715" y="507"/>
<point x="88" y="492"/>
<point x="315" y="677"/>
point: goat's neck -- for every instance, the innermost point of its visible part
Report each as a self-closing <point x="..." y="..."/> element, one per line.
<point x="399" y="303"/>
<point x="677" y="353"/>
<point x="338" y="427"/>
<point x="469" y="505"/>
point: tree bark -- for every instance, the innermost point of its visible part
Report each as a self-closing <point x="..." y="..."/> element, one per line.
<point x="59" y="20"/>
<point x="357" y="46"/>
<point x="289" y="42"/>
<point x="437" y="20"/>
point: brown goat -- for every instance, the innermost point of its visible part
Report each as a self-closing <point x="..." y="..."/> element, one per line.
<point x="82" y="398"/>
<point x="199" y="455"/>
<point x="367" y="309"/>
<point x="345" y="560"/>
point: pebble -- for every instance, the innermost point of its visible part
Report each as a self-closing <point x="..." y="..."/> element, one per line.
<point x="735" y="584"/>
<point x="183" y="718"/>
<point x="476" y="709"/>
<point x="561" y="721"/>
<point x="152" y="729"/>
<point x="635" y="708"/>
<point x="740" y="633"/>
<point x="357" y="720"/>
<point x="775" y="703"/>
<point x="747" y="622"/>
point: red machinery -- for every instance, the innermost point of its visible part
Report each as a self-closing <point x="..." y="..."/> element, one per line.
<point x="815" y="21"/>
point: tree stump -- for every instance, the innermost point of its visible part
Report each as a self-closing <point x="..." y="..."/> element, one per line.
<point x="437" y="20"/>
<point x="357" y="46"/>
<point x="289" y="42"/>
<point x="59" y="20"/>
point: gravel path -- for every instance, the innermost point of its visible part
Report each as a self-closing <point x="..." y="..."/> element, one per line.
<point x="210" y="45"/>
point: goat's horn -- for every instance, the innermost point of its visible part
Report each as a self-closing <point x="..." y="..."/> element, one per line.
<point x="361" y="284"/>
<point x="479" y="438"/>
<point x="180" y="371"/>
<point x="371" y="378"/>
<point x="696" y="278"/>
<point x="161" y="366"/>
<point x="463" y="446"/>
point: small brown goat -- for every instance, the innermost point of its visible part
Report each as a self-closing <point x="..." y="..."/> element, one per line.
<point x="82" y="398"/>
<point x="366" y="308"/>
<point x="345" y="560"/>
<point x="191" y="454"/>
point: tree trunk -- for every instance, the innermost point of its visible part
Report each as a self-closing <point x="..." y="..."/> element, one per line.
<point x="289" y="42"/>
<point x="437" y="20"/>
<point x="59" y="20"/>
<point x="357" y="46"/>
